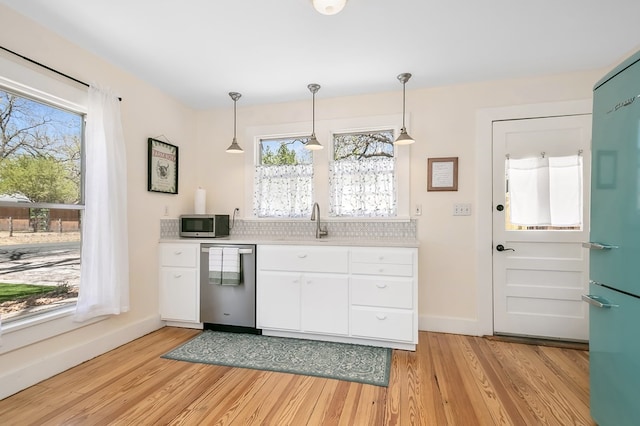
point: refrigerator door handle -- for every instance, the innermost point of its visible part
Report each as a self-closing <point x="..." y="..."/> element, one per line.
<point x="598" y="301"/>
<point x="598" y="246"/>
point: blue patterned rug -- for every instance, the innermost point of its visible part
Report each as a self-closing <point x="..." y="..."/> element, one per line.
<point x="342" y="361"/>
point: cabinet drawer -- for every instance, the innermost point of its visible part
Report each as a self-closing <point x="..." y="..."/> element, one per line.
<point x="397" y="256"/>
<point x="182" y="255"/>
<point x="382" y="269"/>
<point x="382" y="324"/>
<point x="303" y="259"/>
<point x="382" y="292"/>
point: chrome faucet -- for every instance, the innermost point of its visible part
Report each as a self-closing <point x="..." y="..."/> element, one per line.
<point x="319" y="231"/>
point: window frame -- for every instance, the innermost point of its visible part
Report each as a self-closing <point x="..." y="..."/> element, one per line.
<point x="332" y="148"/>
<point x="31" y="82"/>
<point x="321" y="158"/>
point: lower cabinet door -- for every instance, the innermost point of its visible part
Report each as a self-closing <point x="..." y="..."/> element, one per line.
<point x="325" y="303"/>
<point x="179" y="294"/>
<point x="278" y="300"/>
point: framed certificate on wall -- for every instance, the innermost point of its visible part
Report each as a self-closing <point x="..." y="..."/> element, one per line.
<point x="442" y="174"/>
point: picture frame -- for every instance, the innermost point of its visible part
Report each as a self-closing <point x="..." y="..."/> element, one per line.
<point x="442" y="174"/>
<point x="162" y="167"/>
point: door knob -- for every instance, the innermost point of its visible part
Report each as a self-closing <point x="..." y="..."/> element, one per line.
<point x="499" y="207"/>
<point x="500" y="247"/>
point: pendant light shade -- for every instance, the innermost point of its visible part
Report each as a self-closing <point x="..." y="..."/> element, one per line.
<point x="313" y="143"/>
<point x="403" y="138"/>
<point x="234" y="148"/>
<point x="329" y="7"/>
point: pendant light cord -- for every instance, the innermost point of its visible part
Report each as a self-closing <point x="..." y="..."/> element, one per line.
<point x="313" y="114"/>
<point x="404" y="85"/>
<point x="235" y="102"/>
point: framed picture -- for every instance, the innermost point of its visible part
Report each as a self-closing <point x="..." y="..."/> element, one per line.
<point x="442" y="174"/>
<point x="162" y="167"/>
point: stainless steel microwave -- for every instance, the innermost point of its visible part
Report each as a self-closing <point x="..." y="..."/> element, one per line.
<point x="204" y="225"/>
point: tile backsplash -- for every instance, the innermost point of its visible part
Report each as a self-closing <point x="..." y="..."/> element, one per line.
<point x="378" y="229"/>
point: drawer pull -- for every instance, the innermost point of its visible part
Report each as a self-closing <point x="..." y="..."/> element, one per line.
<point x="302" y="256"/>
<point x="177" y="275"/>
<point x="381" y="317"/>
<point x="381" y="285"/>
<point x="177" y="252"/>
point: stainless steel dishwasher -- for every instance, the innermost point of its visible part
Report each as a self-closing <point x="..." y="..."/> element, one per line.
<point x="229" y="307"/>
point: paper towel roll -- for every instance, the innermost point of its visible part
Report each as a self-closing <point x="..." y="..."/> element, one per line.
<point x="200" y="202"/>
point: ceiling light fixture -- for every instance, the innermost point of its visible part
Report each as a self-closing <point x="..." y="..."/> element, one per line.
<point x="313" y="143"/>
<point x="328" y="7"/>
<point x="404" y="138"/>
<point x="234" y="148"/>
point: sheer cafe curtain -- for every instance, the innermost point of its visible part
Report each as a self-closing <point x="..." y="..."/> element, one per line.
<point x="104" y="269"/>
<point x="283" y="191"/>
<point x="545" y="191"/>
<point x="362" y="188"/>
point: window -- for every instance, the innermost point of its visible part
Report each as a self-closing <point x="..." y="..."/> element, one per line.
<point x="359" y="173"/>
<point x="283" y="184"/>
<point x="40" y="205"/>
<point x="362" y="175"/>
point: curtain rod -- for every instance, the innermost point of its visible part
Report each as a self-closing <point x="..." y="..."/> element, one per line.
<point x="47" y="67"/>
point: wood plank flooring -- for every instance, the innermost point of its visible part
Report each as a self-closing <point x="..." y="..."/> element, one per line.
<point x="449" y="380"/>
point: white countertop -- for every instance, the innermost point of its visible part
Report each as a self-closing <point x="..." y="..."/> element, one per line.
<point x="307" y="241"/>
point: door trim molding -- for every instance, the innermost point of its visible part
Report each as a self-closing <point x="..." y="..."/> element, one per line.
<point x="484" y="178"/>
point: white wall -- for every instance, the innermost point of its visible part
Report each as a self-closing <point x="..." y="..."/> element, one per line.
<point x="443" y="122"/>
<point x="146" y="112"/>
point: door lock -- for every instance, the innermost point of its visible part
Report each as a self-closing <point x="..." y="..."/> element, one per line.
<point x="500" y="247"/>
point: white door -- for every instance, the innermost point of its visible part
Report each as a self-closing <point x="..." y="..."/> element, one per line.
<point x="539" y="272"/>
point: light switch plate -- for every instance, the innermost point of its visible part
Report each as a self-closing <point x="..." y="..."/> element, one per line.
<point x="463" y="209"/>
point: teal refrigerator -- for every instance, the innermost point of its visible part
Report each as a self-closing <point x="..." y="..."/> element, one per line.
<point x="614" y="289"/>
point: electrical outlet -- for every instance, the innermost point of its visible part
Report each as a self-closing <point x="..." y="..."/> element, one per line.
<point x="463" y="209"/>
<point x="166" y="210"/>
<point x="236" y="211"/>
<point x="418" y="210"/>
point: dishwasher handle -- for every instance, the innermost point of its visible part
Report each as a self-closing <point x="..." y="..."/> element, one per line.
<point x="240" y="251"/>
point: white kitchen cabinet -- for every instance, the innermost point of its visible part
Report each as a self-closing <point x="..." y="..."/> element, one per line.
<point x="278" y="298"/>
<point x="325" y="303"/>
<point x="339" y="293"/>
<point x="303" y="289"/>
<point x="179" y="282"/>
<point x="384" y="294"/>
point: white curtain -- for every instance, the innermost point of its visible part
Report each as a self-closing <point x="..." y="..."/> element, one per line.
<point x="362" y="188"/>
<point x="104" y="270"/>
<point x="545" y="191"/>
<point x="529" y="191"/>
<point x="565" y="190"/>
<point x="283" y="191"/>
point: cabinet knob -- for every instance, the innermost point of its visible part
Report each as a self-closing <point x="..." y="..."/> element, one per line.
<point x="381" y="270"/>
<point x="381" y="258"/>
<point x="381" y="317"/>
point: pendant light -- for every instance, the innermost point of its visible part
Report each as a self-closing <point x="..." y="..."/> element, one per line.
<point x="328" y="7"/>
<point x="313" y="143"/>
<point x="234" y="148"/>
<point x="404" y="138"/>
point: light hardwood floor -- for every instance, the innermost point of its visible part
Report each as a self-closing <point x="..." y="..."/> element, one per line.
<point x="449" y="380"/>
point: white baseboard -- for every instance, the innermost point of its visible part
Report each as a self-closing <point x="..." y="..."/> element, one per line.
<point x="452" y="325"/>
<point x="54" y="363"/>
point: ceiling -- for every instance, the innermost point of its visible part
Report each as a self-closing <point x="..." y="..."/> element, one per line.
<point x="269" y="50"/>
